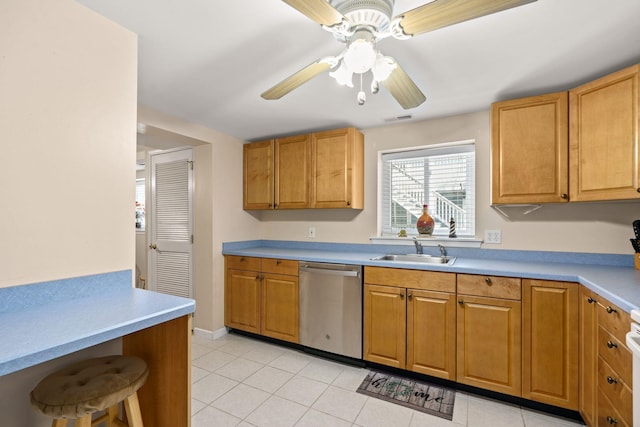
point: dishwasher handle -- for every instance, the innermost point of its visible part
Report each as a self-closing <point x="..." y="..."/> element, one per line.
<point x="347" y="273"/>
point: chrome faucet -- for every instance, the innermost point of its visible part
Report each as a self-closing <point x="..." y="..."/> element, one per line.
<point x="418" y="245"/>
<point x="443" y="250"/>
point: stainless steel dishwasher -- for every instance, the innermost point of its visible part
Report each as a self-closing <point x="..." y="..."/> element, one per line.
<point x="331" y="307"/>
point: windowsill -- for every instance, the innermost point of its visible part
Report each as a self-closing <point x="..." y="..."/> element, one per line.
<point x="456" y="242"/>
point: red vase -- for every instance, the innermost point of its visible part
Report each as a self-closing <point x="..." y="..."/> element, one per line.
<point x="425" y="223"/>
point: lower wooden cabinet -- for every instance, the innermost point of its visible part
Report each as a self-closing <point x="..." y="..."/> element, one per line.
<point x="605" y="363"/>
<point x="261" y="296"/>
<point x="588" y="356"/>
<point x="431" y="331"/>
<point x="489" y="333"/>
<point x="489" y="343"/>
<point x="384" y="325"/>
<point x="413" y="327"/>
<point x="550" y="342"/>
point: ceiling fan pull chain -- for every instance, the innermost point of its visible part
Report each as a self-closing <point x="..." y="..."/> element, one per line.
<point x="361" y="95"/>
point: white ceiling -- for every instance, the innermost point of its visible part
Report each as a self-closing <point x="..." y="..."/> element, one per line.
<point x="208" y="61"/>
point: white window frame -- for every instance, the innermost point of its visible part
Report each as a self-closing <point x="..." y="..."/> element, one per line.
<point x="443" y="148"/>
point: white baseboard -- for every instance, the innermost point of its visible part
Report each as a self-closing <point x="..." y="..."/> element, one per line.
<point x="211" y="335"/>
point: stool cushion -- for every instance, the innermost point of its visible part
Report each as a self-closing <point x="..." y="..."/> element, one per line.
<point x="89" y="386"/>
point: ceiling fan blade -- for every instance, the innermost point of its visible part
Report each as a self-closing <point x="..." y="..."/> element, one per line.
<point x="403" y="89"/>
<point x="317" y="10"/>
<point x="296" y="80"/>
<point x="442" y="13"/>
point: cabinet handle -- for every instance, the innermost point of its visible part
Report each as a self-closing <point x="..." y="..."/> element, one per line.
<point x="278" y="262"/>
<point x="611" y="309"/>
<point x="612" y="380"/>
<point x="611" y="420"/>
<point x="461" y="302"/>
<point x="590" y="300"/>
<point x="612" y="344"/>
<point x="487" y="280"/>
<point x="242" y="259"/>
<point x="348" y="203"/>
<point x="401" y="295"/>
<point x="409" y="295"/>
<point x="564" y="196"/>
<point x="638" y="190"/>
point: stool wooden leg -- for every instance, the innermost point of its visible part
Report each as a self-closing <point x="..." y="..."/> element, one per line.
<point x="133" y="411"/>
<point x="83" y="422"/>
<point x="59" y="422"/>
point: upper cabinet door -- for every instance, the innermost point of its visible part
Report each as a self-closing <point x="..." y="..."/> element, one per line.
<point x="529" y="150"/>
<point x="258" y="175"/>
<point x="293" y="172"/>
<point x="604" y="138"/>
<point x="337" y="169"/>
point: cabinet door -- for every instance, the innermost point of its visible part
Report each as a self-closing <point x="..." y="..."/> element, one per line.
<point x="489" y="344"/>
<point x="258" y="175"/>
<point x="550" y="343"/>
<point x="431" y="333"/>
<point x="337" y="169"/>
<point x="588" y="355"/>
<point x="292" y="172"/>
<point x="384" y="324"/>
<point x="603" y="150"/>
<point x="280" y="312"/>
<point x="529" y="150"/>
<point x="242" y="300"/>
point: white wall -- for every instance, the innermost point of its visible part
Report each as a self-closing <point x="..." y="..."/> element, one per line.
<point x="67" y="125"/>
<point x="576" y="227"/>
<point x="67" y="128"/>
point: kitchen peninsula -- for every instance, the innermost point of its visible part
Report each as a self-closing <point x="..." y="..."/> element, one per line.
<point x="44" y="321"/>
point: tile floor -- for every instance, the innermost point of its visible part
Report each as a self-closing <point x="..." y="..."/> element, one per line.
<point x="239" y="381"/>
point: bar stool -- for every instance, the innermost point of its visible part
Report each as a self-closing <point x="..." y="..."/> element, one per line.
<point x="94" y="385"/>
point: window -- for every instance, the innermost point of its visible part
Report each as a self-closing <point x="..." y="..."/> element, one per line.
<point x="140" y="204"/>
<point x="442" y="177"/>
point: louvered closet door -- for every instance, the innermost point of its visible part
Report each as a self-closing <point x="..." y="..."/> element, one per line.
<point x="171" y="241"/>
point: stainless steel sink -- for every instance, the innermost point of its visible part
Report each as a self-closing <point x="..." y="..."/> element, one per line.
<point x="417" y="258"/>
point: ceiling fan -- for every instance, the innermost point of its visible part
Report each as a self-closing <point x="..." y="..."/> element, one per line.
<point x="360" y="24"/>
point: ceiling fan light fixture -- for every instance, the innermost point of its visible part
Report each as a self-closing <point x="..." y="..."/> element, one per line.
<point x="360" y="56"/>
<point x="343" y="75"/>
<point x="383" y="67"/>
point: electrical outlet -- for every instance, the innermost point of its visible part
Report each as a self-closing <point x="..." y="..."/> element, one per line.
<point x="493" y="236"/>
<point x="312" y="232"/>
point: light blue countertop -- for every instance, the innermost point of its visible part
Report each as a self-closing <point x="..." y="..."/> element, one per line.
<point x="611" y="276"/>
<point x="42" y="321"/>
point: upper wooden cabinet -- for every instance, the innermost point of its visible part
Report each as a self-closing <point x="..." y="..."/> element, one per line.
<point x="604" y="138"/>
<point x="338" y="169"/>
<point x="258" y="175"/>
<point x="319" y="170"/>
<point x="292" y="175"/>
<point x="557" y="148"/>
<point x="529" y="149"/>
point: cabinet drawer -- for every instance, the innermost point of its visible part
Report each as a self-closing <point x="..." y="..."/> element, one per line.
<point x="616" y="354"/>
<point x="489" y="286"/>
<point x="415" y="279"/>
<point x="614" y="320"/>
<point x="242" y="263"/>
<point x="280" y="266"/>
<point x="607" y="413"/>
<point x="618" y="393"/>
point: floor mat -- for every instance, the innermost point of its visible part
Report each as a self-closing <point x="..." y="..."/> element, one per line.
<point x="419" y="395"/>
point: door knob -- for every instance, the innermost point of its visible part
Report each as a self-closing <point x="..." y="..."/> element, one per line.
<point x="153" y="246"/>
